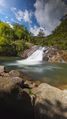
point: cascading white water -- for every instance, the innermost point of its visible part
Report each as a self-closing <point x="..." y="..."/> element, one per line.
<point x="35" y="58"/>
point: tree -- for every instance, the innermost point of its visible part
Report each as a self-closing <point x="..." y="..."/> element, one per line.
<point x="41" y="33"/>
<point x="5" y="47"/>
<point x="6" y="31"/>
<point x="19" y="31"/>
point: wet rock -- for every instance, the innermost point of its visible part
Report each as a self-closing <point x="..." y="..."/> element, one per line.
<point x="5" y="74"/>
<point x="17" y="80"/>
<point x="63" y="55"/>
<point x="52" y="55"/>
<point x="8" y="83"/>
<point x="28" y="52"/>
<point x="45" y="58"/>
<point x="55" y="58"/>
<point x="14" y="73"/>
<point x="2" y="69"/>
<point x="29" y="84"/>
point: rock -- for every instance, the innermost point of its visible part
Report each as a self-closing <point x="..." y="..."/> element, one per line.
<point x="45" y="58"/>
<point x="2" y="69"/>
<point x="52" y="55"/>
<point x="65" y="95"/>
<point x="8" y="83"/>
<point x="29" y="84"/>
<point x="17" y="104"/>
<point x="26" y="90"/>
<point x="5" y="74"/>
<point x="17" y="80"/>
<point x="63" y="54"/>
<point x="55" y="58"/>
<point x="14" y="73"/>
<point x="28" y="52"/>
<point x="37" y="83"/>
<point x="50" y="102"/>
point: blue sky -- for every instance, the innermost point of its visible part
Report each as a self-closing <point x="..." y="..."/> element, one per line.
<point x="34" y="14"/>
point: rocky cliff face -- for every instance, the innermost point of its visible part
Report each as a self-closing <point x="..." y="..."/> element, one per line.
<point x="55" y="55"/>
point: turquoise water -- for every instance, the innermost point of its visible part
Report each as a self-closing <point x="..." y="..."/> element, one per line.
<point x="55" y="74"/>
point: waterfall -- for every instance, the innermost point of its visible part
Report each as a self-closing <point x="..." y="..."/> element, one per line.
<point x="35" y="58"/>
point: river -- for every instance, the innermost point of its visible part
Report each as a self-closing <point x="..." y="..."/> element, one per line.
<point x="54" y="74"/>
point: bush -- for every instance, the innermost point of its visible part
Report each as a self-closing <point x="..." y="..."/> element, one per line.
<point x="6" y="48"/>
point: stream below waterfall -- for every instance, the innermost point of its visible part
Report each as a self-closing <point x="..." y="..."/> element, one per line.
<point x="54" y="74"/>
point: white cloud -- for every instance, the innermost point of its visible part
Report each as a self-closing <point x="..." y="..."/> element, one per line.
<point x="22" y="15"/>
<point x="35" y="30"/>
<point x="2" y="3"/>
<point x="13" y="9"/>
<point x="49" y="12"/>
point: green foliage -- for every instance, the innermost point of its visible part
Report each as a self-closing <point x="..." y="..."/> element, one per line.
<point x="62" y="28"/>
<point x="6" y="31"/>
<point x="12" y="40"/>
<point x="6" y="48"/>
<point x="19" y="46"/>
<point x="21" y="32"/>
<point x="57" y="38"/>
<point x="4" y="41"/>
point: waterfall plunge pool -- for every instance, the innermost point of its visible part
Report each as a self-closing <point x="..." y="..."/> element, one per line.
<point x="54" y="74"/>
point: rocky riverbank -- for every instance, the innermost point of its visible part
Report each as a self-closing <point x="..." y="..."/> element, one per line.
<point x="21" y="98"/>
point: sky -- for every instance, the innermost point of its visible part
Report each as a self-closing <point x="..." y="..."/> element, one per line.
<point x="34" y="14"/>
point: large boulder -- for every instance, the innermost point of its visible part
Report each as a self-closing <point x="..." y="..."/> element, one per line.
<point x="50" y="102"/>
